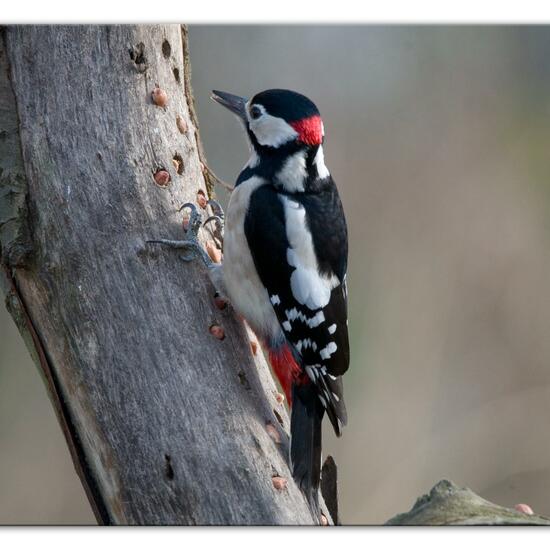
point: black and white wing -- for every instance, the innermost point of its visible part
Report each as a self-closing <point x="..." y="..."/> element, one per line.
<point x="299" y="246"/>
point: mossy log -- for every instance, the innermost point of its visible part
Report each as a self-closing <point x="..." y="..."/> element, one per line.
<point x="447" y="504"/>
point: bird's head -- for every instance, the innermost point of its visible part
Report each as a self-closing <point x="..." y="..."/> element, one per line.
<point x="276" y="119"/>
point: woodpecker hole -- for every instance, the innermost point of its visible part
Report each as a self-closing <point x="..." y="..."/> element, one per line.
<point x="177" y="160"/>
<point x="219" y="302"/>
<point x="279" y="482"/>
<point x="99" y="156"/>
<point x="137" y="55"/>
<point x="278" y="417"/>
<point x="273" y="432"/>
<point x="176" y="72"/>
<point x="166" y="49"/>
<point x="214" y="252"/>
<point x="159" y="97"/>
<point x="217" y="331"/>
<point x="161" y="177"/>
<point x="185" y="222"/>
<point x="201" y="198"/>
<point x="324" y="520"/>
<point x="168" y="470"/>
<point x="181" y="124"/>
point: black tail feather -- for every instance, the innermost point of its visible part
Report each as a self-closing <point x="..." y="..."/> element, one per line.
<point x="305" y="445"/>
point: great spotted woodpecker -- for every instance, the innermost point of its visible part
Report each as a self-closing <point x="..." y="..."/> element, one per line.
<point x="284" y="265"/>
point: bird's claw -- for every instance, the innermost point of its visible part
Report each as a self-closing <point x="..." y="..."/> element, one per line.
<point x="195" y="219"/>
<point x="218" y="219"/>
<point x="190" y="244"/>
<point x="216" y="208"/>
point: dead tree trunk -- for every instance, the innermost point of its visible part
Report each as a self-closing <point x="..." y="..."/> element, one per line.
<point x="166" y="423"/>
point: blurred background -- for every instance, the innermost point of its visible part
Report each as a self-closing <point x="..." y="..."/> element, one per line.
<point x="439" y="141"/>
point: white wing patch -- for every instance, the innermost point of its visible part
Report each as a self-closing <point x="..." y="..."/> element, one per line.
<point x="332" y="329"/>
<point x="311" y="322"/>
<point x="327" y="351"/>
<point x="309" y="287"/>
<point x="304" y="344"/>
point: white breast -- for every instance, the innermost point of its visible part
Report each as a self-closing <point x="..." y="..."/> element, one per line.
<point x="244" y="287"/>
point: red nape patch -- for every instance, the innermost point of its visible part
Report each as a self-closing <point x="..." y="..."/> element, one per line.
<point x="286" y="369"/>
<point x="310" y="130"/>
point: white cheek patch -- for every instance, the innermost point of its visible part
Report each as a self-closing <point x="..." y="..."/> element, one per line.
<point x="272" y="131"/>
<point x="293" y="173"/>
<point x="309" y="287"/>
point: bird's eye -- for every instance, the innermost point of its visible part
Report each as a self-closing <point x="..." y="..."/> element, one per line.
<point x="255" y="112"/>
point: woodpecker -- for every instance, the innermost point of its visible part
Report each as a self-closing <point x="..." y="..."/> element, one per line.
<point x="284" y="265"/>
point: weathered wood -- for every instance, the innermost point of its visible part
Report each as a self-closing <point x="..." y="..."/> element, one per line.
<point x="167" y="424"/>
<point x="447" y="504"/>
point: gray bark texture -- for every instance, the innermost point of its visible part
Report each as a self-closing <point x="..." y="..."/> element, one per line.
<point x="166" y="423"/>
<point x="447" y="504"/>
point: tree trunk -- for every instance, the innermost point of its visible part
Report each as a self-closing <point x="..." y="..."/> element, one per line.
<point x="166" y="423"/>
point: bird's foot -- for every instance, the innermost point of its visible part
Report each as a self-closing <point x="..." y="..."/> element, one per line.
<point x="190" y="244"/>
<point x="217" y="223"/>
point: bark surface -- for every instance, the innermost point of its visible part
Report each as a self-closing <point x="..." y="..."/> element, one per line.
<point x="166" y="423"/>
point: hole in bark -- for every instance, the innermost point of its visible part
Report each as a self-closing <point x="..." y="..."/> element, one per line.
<point x="243" y="380"/>
<point x="137" y="55"/>
<point x="166" y="49"/>
<point x="99" y="156"/>
<point x="202" y="201"/>
<point x="280" y="483"/>
<point x="273" y="432"/>
<point x="168" y="470"/>
<point x="178" y="163"/>
<point x="219" y="302"/>
<point x="176" y="72"/>
<point x="161" y="177"/>
<point x="278" y="417"/>
<point x="181" y="124"/>
<point x="217" y="331"/>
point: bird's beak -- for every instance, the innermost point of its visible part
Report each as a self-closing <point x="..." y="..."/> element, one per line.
<point x="234" y="103"/>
